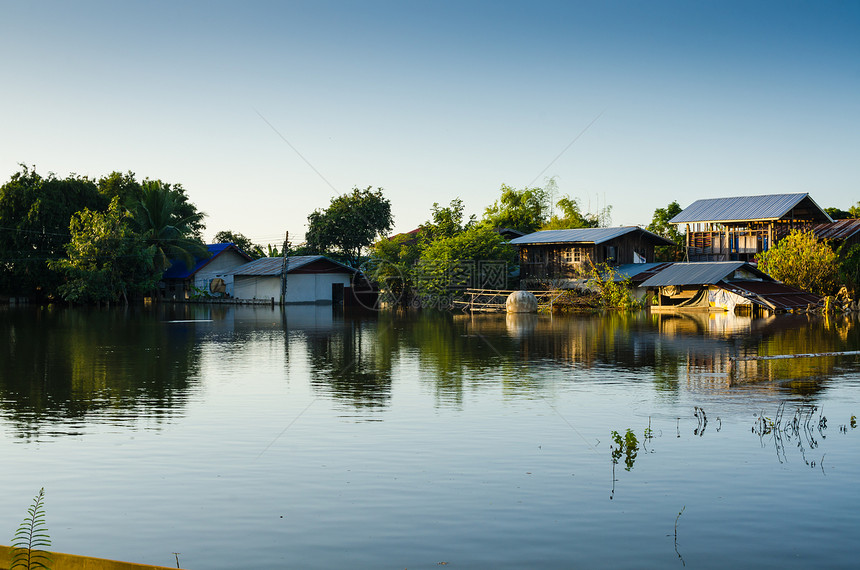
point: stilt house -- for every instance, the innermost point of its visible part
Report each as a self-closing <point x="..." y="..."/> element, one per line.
<point x="737" y="229"/>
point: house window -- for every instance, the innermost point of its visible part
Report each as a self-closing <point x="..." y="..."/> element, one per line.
<point x="572" y="255"/>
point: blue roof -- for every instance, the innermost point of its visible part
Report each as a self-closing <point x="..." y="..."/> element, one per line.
<point x="746" y="208"/>
<point x="178" y="269"/>
<point x="586" y="235"/>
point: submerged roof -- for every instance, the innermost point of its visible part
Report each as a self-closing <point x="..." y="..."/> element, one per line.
<point x="270" y="266"/>
<point x="638" y="272"/>
<point x="587" y="235"/>
<point x="700" y="273"/>
<point x="838" y="230"/>
<point x="178" y="269"/>
<point x="747" y="208"/>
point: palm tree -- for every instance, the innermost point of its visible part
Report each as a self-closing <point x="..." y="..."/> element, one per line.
<point x="160" y="221"/>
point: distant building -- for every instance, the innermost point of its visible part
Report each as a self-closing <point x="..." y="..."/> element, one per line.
<point x="737" y="229"/>
<point x="559" y="255"/>
<point x="180" y="282"/>
<point x="840" y="232"/>
<point x="309" y="279"/>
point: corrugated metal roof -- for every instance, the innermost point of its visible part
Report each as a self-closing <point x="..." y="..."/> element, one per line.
<point x="178" y="270"/>
<point x="838" y="230"/>
<point x="638" y="272"/>
<point x="745" y="208"/>
<point x="699" y="273"/>
<point x="269" y="266"/>
<point x="778" y="295"/>
<point x="586" y="235"/>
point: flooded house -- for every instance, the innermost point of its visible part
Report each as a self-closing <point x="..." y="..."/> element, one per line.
<point x="307" y="279"/>
<point x="560" y="255"/>
<point x="738" y="228"/>
<point x="734" y="286"/>
<point x="181" y="282"/>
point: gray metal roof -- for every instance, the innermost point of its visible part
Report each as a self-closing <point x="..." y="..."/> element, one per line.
<point x="586" y="235"/>
<point x="745" y="208"/>
<point x="699" y="273"/>
<point x="267" y="266"/>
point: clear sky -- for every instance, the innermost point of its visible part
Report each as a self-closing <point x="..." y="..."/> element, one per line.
<point x="264" y="111"/>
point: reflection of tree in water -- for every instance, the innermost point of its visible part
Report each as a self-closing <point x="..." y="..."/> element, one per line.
<point x="62" y="364"/>
<point x="353" y="362"/>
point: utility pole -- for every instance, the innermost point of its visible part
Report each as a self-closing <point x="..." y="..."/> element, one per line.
<point x="284" y="269"/>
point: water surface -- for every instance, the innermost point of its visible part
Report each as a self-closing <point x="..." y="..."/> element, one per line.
<point x="245" y="437"/>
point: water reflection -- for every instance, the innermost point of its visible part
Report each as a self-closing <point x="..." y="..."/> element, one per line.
<point x="117" y="364"/>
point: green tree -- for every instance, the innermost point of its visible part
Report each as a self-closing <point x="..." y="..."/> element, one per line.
<point x="800" y="260"/>
<point x="848" y="266"/>
<point x="351" y="223"/>
<point x="242" y="242"/>
<point x="392" y="265"/>
<point x="838" y="214"/>
<point x="570" y="216"/>
<point x="454" y="262"/>
<point x="34" y="227"/>
<point x="445" y="221"/>
<point x="660" y="225"/>
<point x="106" y="260"/>
<point x="854" y="211"/>
<point x="523" y="210"/>
<point x="166" y="220"/>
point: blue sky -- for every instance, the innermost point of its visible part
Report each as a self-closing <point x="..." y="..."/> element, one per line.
<point x="692" y="99"/>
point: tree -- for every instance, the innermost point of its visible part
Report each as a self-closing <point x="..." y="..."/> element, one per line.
<point x="522" y="210"/>
<point x="660" y="225"/>
<point x="854" y="211"/>
<point x="838" y="214"/>
<point x="351" y="223"/>
<point x="242" y="242"/>
<point x="34" y="227"/>
<point x="800" y="260"/>
<point x="571" y="217"/>
<point x="392" y="265"/>
<point x="848" y="266"/>
<point x="445" y="221"/>
<point x="162" y="219"/>
<point x="107" y="260"/>
<point x="457" y="261"/>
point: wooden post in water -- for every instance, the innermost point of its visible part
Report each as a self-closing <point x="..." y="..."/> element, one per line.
<point x="284" y="269"/>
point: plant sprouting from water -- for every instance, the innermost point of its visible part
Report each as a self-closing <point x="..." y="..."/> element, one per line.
<point x="31" y="538"/>
<point x="627" y="446"/>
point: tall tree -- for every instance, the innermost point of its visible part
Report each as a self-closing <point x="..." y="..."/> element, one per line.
<point x="351" y="223"/>
<point x="522" y="210"/>
<point x="660" y="225"/>
<point x="571" y="217"/>
<point x="445" y="221"/>
<point x="34" y="227"/>
<point x="106" y="260"/>
<point x="163" y="220"/>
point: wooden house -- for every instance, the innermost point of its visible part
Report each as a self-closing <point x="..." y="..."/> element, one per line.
<point x="180" y="281"/>
<point x="560" y="255"/>
<point x="308" y="279"/>
<point x="737" y="229"/>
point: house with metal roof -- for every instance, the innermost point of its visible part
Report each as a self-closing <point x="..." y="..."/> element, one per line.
<point x="738" y="228"/>
<point x="181" y="281"/>
<point x="560" y="255"/>
<point x="721" y="286"/>
<point x="305" y="279"/>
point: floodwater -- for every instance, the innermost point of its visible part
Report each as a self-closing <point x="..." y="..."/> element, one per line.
<point x="240" y="437"/>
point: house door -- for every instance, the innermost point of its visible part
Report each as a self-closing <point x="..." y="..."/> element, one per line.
<point x="337" y="293"/>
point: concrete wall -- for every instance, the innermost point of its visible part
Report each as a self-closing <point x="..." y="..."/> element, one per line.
<point x="301" y="288"/>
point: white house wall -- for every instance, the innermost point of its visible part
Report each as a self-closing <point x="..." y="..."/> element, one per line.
<point x="301" y="288"/>
<point x="223" y="263"/>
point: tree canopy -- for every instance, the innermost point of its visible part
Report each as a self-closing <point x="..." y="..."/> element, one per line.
<point x="242" y="242"/>
<point x="660" y="225"/>
<point x="351" y="223"/>
<point x="802" y="261"/>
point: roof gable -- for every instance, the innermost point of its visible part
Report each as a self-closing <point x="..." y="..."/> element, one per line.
<point x="748" y="208"/>
<point x="273" y="266"/>
<point x="178" y="269"/>
<point x="587" y="236"/>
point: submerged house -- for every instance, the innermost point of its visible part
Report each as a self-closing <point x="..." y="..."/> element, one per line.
<point x="181" y="281"/>
<point x="721" y="286"/>
<point x="308" y="279"/>
<point x="737" y="229"/>
<point x="560" y="255"/>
